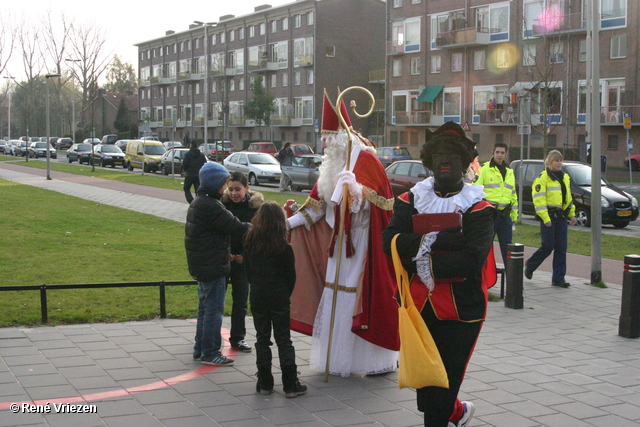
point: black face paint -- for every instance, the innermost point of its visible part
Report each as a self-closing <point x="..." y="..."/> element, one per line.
<point x="447" y="170"/>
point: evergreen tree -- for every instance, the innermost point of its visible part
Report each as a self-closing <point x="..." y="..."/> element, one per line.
<point x="123" y="119"/>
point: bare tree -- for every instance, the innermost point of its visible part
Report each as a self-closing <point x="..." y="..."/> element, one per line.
<point x="7" y="40"/>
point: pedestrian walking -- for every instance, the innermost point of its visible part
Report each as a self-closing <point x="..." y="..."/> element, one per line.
<point x="191" y="164"/>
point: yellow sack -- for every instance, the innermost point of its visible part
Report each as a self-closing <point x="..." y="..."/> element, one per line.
<point x="420" y="362"/>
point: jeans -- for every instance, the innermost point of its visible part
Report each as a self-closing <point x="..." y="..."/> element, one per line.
<point x="265" y="315"/>
<point x="503" y="227"/>
<point x="554" y="239"/>
<point x="240" y="294"/>
<point x="188" y="182"/>
<point x="210" y="311"/>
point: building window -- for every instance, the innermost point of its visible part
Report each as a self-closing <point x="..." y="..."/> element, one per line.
<point x="495" y="18"/>
<point x="285" y="24"/>
<point x="556" y="53"/>
<point x="582" y="51"/>
<point x="273" y="80"/>
<point x="274" y="26"/>
<point x="529" y="55"/>
<point x="241" y="83"/>
<point x="612" y="142"/>
<point x="405" y="35"/>
<point x="232" y="35"/>
<point x="415" y="1"/>
<point x="296" y="78"/>
<point x="396" y="70"/>
<point x="619" y="46"/>
<point x="397" y="3"/>
<point x="213" y="39"/>
<point x="310" y="18"/>
<point x="263" y="28"/>
<point x="214" y="86"/>
<point x="175" y="91"/>
<point x="285" y="79"/>
<point x="613" y="13"/>
<point x="479" y="59"/>
<point x="436" y="63"/>
<point x="297" y="21"/>
<point x="456" y="62"/>
<point x="198" y="43"/>
<point x="189" y="44"/>
<point x="252" y="31"/>
<point x="241" y="33"/>
<point x="222" y="38"/>
<point x="197" y="88"/>
<point x="415" y="66"/>
<point x="310" y="77"/>
<point x="232" y="85"/>
<point x="503" y="57"/>
<point x="330" y="51"/>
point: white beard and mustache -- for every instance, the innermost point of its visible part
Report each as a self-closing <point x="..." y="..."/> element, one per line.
<point x="334" y="160"/>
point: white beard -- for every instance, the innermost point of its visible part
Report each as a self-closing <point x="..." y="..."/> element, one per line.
<point x="334" y="160"/>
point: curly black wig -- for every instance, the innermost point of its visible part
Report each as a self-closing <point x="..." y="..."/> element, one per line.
<point x="452" y="136"/>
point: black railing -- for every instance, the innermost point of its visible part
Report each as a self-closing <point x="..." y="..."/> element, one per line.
<point x="44" y="288"/>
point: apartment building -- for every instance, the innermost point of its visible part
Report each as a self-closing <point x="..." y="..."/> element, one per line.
<point x="495" y="65"/>
<point x="203" y="76"/>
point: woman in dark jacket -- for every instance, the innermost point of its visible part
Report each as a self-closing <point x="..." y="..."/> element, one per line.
<point x="191" y="164"/>
<point x="447" y="266"/>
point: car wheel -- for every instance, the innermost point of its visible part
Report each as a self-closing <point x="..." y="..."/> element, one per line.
<point x="163" y="170"/>
<point x="583" y="217"/>
<point x="69" y="159"/>
<point x="129" y="167"/>
<point x="620" y="224"/>
<point x="634" y="165"/>
<point x="103" y="164"/>
<point x="253" y="179"/>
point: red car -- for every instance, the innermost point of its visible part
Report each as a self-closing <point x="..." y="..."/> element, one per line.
<point x="635" y="161"/>
<point x="404" y="174"/>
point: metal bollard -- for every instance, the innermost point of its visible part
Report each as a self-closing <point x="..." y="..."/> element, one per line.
<point x="515" y="261"/>
<point x="629" y="325"/>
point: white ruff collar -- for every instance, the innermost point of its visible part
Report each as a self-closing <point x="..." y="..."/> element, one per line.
<point x="427" y="201"/>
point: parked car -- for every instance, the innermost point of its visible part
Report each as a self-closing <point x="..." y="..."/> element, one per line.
<point x="53" y="141"/>
<point x="3" y="146"/>
<point x="91" y="141"/>
<point x="303" y="171"/>
<point x="618" y="207"/>
<point x="108" y="154"/>
<point x="122" y="144"/>
<point x="215" y="151"/>
<point x="21" y="149"/>
<point x="388" y="155"/>
<point x="259" y="167"/>
<point x="109" y="139"/>
<point x="263" y="147"/>
<point x="149" y="138"/>
<point x="63" y="143"/>
<point x="172" y="144"/>
<point x="39" y="149"/>
<point x="404" y="174"/>
<point x="301" y="149"/>
<point x="11" y="147"/>
<point x="144" y="154"/>
<point x="175" y="156"/>
<point x="33" y="139"/>
<point x="80" y="152"/>
<point x="635" y="162"/>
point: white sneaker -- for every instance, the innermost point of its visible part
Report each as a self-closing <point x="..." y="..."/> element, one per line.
<point x="469" y="409"/>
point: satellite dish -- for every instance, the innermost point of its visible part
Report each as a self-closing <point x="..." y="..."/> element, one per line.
<point x="421" y="88"/>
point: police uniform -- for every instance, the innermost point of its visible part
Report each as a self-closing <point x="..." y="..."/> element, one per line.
<point x="500" y="188"/>
<point x="553" y="203"/>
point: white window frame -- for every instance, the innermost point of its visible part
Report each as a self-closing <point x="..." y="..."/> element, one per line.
<point x="397" y="4"/>
<point x="296" y="78"/>
<point x="416" y="68"/>
<point x="310" y="18"/>
<point x="456" y="62"/>
<point x="582" y="50"/>
<point x="556" y="53"/>
<point x="310" y="77"/>
<point x="285" y="24"/>
<point x="479" y="59"/>
<point x="396" y="67"/>
<point x="529" y="53"/>
<point x="618" y="46"/>
<point x="274" y="25"/>
<point x="297" y="21"/>
<point x="435" y="64"/>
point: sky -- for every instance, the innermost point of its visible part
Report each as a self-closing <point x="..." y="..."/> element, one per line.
<point x="128" y="22"/>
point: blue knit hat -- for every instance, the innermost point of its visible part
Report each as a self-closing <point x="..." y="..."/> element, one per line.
<point x="212" y="176"/>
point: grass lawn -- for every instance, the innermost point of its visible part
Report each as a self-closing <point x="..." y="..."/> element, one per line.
<point x="52" y="238"/>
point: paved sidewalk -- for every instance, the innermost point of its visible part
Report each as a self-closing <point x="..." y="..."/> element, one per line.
<point x="557" y="362"/>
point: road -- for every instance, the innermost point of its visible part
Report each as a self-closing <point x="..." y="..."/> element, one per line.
<point x="632" y="230"/>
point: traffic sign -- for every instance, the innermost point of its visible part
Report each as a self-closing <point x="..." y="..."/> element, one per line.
<point x="465" y="126"/>
<point x="627" y="121"/>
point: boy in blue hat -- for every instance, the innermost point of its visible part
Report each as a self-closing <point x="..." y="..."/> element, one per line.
<point x="208" y="230"/>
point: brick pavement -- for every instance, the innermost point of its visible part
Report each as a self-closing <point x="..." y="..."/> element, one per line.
<point x="557" y="362"/>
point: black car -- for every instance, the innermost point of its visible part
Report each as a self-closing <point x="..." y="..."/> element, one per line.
<point x="175" y="156"/>
<point x="108" y="155"/>
<point x="618" y="207"/>
<point x="63" y="143"/>
<point x="39" y="149"/>
<point x="79" y="152"/>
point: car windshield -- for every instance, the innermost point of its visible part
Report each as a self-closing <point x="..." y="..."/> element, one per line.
<point x="262" y="159"/>
<point x="110" y="149"/>
<point x="581" y="175"/>
<point x="41" y="145"/>
<point x="83" y="147"/>
<point x="154" y="149"/>
<point x="400" y="152"/>
<point x="304" y="149"/>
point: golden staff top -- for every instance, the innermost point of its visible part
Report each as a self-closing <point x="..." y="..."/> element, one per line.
<point x="353" y="108"/>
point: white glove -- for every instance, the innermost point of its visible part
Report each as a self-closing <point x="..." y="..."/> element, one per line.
<point x="355" y="190"/>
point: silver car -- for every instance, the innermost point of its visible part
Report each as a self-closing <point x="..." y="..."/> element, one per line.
<point x="259" y="167"/>
<point x="302" y="171"/>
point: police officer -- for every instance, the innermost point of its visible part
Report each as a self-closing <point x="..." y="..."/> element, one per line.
<point x="500" y="189"/>
<point x="553" y="204"/>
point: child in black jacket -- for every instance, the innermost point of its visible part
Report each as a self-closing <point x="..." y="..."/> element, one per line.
<point x="270" y="266"/>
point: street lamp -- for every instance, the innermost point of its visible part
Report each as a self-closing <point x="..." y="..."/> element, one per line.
<point x="73" y="98"/>
<point x="48" y="76"/>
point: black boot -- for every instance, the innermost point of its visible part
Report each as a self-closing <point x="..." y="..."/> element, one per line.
<point x="290" y="382"/>
<point x="265" y="379"/>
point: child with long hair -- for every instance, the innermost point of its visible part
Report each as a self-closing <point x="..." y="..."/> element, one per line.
<point x="270" y="266"/>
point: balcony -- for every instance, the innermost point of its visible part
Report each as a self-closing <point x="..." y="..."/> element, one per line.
<point x="303" y="61"/>
<point x="155" y="123"/>
<point x="188" y="76"/>
<point x="181" y="123"/>
<point x="144" y="82"/>
<point x="614" y="116"/>
<point x="557" y="24"/>
<point x="466" y="37"/>
<point x="166" y="80"/>
<point x="230" y="72"/>
<point x="198" y="121"/>
<point x="167" y="122"/>
<point x="395" y="48"/>
<point x="377" y="76"/>
<point x="501" y="115"/>
<point x="416" y="118"/>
